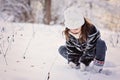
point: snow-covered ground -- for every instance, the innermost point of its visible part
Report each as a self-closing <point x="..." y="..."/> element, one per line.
<point x="33" y="55"/>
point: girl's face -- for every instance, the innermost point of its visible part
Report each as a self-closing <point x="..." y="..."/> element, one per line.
<point x="75" y="31"/>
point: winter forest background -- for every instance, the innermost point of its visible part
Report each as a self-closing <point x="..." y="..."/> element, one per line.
<point x="29" y="28"/>
<point x="104" y="13"/>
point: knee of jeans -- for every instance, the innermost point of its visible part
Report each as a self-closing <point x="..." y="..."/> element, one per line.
<point x="61" y="49"/>
<point x="101" y="50"/>
<point x="101" y="43"/>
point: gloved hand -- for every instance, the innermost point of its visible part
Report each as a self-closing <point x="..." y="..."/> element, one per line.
<point x="73" y="65"/>
<point x="82" y="67"/>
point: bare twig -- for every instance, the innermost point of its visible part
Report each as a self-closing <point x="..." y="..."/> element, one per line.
<point x="48" y="76"/>
<point x="3" y="55"/>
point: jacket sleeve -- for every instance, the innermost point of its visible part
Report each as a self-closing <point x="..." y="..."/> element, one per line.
<point x="93" y="36"/>
<point x="72" y="53"/>
<point x="71" y="47"/>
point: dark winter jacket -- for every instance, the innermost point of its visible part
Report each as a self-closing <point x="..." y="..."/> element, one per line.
<point x="86" y="49"/>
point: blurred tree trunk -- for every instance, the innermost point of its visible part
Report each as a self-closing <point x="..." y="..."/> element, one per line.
<point x="47" y="12"/>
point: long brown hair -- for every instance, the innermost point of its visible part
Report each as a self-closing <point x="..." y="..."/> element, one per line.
<point x="85" y="30"/>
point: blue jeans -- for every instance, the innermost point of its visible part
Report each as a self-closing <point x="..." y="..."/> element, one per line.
<point x="100" y="50"/>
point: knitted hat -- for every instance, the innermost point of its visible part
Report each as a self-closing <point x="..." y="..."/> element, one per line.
<point x="73" y="18"/>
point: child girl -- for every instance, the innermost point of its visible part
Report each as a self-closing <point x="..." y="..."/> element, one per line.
<point x="83" y="42"/>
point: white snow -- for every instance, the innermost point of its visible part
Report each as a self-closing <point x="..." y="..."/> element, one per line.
<point x="39" y="44"/>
